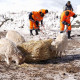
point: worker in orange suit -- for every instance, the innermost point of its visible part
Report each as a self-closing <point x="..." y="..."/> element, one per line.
<point x="34" y="18"/>
<point x="65" y="20"/>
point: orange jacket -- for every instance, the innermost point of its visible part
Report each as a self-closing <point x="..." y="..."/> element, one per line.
<point x="43" y="11"/>
<point x="66" y="18"/>
<point x="36" y="16"/>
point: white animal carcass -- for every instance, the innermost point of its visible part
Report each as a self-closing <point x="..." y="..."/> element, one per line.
<point x="9" y="51"/>
<point x="60" y="43"/>
<point x="15" y="37"/>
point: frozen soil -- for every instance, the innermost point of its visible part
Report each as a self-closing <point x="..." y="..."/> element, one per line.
<point x="65" y="68"/>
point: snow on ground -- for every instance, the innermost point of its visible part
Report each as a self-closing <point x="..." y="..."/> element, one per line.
<point x="20" y="23"/>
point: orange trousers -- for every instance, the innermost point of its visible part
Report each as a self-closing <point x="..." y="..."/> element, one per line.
<point x="62" y="27"/>
<point x="33" y="25"/>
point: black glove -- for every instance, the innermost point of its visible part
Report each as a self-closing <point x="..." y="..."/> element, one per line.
<point x="74" y="16"/>
<point x="37" y="23"/>
<point x="68" y="24"/>
<point x="64" y="22"/>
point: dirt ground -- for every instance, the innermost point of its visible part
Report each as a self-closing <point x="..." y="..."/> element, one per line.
<point x="65" y="68"/>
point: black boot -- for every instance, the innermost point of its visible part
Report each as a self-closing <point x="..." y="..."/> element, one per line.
<point x="69" y="37"/>
<point x="36" y="31"/>
<point x="31" y="32"/>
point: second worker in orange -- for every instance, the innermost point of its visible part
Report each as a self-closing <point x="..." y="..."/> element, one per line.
<point x="65" y="20"/>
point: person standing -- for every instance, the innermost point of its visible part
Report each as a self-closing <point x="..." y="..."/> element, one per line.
<point x="68" y="6"/>
<point x="65" y="20"/>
